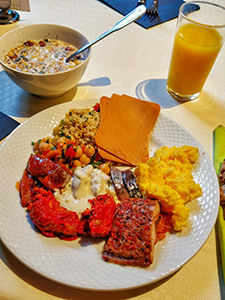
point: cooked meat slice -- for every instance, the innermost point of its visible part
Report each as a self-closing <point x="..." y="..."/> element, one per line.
<point x="131" y="184"/>
<point x="221" y="178"/>
<point x="39" y="165"/>
<point x="51" y="175"/>
<point x="221" y="175"/>
<point x="133" y="233"/>
<point x="222" y="195"/>
<point x="27" y="185"/>
<point x="57" y="178"/>
<point x="117" y="179"/>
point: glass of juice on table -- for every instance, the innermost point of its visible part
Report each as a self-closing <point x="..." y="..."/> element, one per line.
<point x="199" y="36"/>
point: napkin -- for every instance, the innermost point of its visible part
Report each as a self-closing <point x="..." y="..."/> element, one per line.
<point x="168" y="10"/>
<point x="7" y="124"/>
<point x="219" y="156"/>
<point x="23" y="5"/>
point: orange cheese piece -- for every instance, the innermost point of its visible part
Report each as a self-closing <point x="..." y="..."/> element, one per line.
<point x="104" y="101"/>
<point x="109" y="156"/>
<point x="125" y="128"/>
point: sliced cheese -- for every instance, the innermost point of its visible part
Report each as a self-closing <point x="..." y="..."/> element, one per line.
<point x="125" y="127"/>
<point x="104" y="101"/>
<point x="109" y="156"/>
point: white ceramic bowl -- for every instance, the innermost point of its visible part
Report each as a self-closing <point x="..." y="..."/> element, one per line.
<point x="44" y="85"/>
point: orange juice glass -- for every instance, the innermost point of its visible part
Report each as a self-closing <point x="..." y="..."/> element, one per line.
<point x="199" y="36"/>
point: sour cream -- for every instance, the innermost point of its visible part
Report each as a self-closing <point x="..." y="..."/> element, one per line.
<point x="87" y="183"/>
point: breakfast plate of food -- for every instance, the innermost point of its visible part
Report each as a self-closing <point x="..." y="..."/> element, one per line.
<point x="105" y="194"/>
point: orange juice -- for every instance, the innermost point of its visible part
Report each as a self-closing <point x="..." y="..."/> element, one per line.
<point x="194" y="52"/>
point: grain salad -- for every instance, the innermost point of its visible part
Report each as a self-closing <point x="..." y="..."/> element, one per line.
<point x="47" y="56"/>
<point x="82" y="124"/>
<point x="73" y="140"/>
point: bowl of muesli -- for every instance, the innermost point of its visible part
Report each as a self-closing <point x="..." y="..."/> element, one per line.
<point x="34" y="57"/>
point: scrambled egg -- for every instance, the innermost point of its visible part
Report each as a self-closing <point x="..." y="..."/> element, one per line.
<point x="168" y="176"/>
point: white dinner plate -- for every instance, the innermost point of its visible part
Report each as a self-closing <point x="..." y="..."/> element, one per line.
<point x="79" y="263"/>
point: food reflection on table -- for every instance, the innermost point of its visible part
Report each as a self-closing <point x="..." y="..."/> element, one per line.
<point x="71" y="189"/>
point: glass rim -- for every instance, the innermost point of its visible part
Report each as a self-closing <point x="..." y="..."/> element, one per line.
<point x="199" y="23"/>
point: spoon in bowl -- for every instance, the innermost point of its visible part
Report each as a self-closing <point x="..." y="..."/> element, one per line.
<point x="131" y="17"/>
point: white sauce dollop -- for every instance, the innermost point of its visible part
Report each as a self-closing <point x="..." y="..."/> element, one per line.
<point x="87" y="183"/>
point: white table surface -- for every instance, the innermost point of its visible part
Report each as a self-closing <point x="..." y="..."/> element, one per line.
<point x="133" y="61"/>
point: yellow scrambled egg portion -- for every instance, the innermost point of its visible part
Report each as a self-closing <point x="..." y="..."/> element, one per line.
<point x="168" y="176"/>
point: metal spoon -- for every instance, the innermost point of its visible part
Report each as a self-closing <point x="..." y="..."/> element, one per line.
<point x="131" y="17"/>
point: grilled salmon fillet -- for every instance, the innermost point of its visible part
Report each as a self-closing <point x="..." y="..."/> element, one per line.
<point x="133" y="233"/>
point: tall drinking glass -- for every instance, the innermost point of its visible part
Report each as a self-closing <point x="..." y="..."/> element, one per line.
<point x="200" y="33"/>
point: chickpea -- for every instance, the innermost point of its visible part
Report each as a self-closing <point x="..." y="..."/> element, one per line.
<point x="105" y="168"/>
<point x="62" y="140"/>
<point x="79" y="152"/>
<point x="44" y="147"/>
<point x="84" y="159"/>
<point x="47" y="140"/>
<point x="89" y="150"/>
<point x="77" y="163"/>
<point x="36" y="145"/>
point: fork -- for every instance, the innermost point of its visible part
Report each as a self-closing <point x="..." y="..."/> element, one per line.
<point x="141" y="2"/>
<point x="153" y="12"/>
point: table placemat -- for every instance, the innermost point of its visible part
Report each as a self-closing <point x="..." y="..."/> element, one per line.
<point x="168" y="10"/>
<point x="7" y="125"/>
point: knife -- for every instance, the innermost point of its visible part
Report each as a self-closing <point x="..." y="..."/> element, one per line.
<point x="218" y="157"/>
